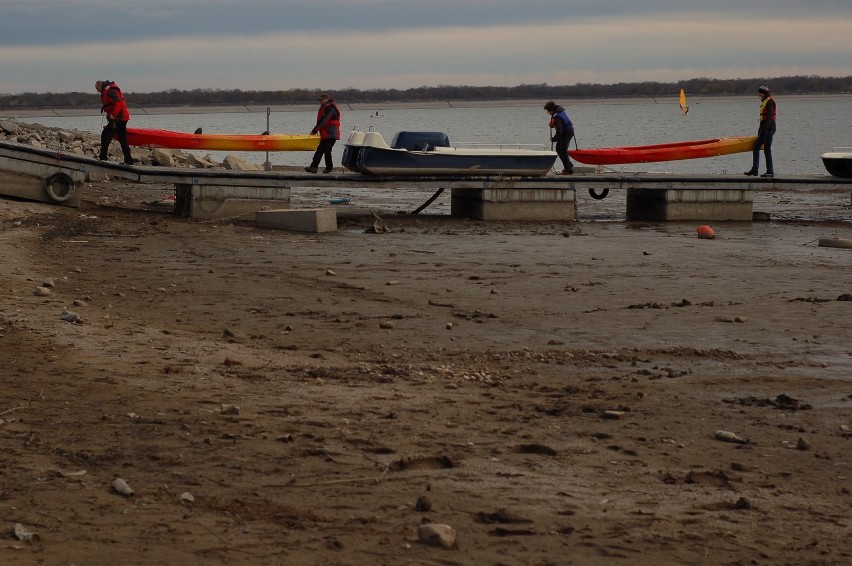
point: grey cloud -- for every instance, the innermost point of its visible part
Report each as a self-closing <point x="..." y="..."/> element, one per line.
<point x="50" y="22"/>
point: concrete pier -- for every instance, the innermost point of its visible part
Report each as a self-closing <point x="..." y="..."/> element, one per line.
<point x="50" y="176"/>
<point x="210" y="202"/>
<point x="39" y="177"/>
<point x="314" y="220"/>
<point x="514" y="204"/>
<point x="689" y="204"/>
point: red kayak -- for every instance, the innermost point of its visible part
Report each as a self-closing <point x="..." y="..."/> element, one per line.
<point x="222" y="142"/>
<point x="664" y="151"/>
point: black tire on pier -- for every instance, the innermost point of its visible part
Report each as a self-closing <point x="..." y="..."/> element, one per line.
<point x="598" y="195"/>
<point x="60" y="187"/>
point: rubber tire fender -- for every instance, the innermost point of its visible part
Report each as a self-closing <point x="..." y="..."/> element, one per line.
<point x="598" y="195"/>
<point x="62" y="180"/>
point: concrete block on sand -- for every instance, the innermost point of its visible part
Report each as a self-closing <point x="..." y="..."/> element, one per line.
<point x="305" y="220"/>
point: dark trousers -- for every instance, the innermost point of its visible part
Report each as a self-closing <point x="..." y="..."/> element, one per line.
<point x="323" y="150"/>
<point x="117" y="129"/>
<point x="765" y="140"/>
<point x="562" y="144"/>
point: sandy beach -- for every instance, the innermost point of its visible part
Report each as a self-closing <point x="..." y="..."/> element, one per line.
<point x="550" y="391"/>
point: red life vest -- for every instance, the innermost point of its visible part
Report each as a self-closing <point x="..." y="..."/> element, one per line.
<point x="767" y="109"/>
<point x="113" y="102"/>
<point x="330" y="128"/>
<point x="767" y="116"/>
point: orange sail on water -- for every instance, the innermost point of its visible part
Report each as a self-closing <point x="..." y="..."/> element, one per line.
<point x="683" y="105"/>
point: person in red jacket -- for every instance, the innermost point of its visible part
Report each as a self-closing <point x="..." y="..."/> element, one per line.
<point x="113" y="104"/>
<point x="328" y="127"/>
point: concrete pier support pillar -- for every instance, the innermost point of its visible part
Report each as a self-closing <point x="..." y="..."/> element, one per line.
<point x="689" y="204"/>
<point x="513" y="203"/>
<point x="210" y="202"/>
<point x="305" y="220"/>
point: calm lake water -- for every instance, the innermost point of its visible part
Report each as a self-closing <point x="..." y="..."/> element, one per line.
<point x="807" y="127"/>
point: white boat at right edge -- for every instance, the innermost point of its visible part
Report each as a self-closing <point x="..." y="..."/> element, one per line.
<point x="838" y="162"/>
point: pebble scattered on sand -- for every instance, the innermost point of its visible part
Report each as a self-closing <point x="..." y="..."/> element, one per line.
<point x="121" y="487"/>
<point x="436" y="534"/>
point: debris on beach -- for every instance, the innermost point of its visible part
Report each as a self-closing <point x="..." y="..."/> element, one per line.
<point x="435" y="534"/>
<point x="232" y="336"/>
<point x="229" y="409"/>
<point x="69" y="316"/>
<point x="41" y="292"/>
<point x="781" y="401"/>
<point x="121" y="487"/>
<point x="835" y="243"/>
<point x="423" y="504"/>
<point x="726" y="436"/>
<point x="378" y="227"/>
<point x="23" y="534"/>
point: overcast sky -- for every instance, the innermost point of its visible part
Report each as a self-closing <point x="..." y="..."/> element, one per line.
<point x="153" y="45"/>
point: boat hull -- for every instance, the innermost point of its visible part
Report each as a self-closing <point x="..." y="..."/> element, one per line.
<point x="664" y="152"/>
<point x="376" y="161"/>
<point x="369" y="154"/>
<point x="351" y="150"/>
<point x="221" y="142"/>
<point x="838" y="164"/>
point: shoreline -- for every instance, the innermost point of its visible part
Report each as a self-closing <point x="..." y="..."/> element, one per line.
<point x="7" y="113"/>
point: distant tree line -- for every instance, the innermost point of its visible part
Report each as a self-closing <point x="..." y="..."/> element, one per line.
<point x="207" y="96"/>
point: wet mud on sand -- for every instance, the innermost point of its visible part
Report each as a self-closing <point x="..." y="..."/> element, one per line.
<point x="551" y="391"/>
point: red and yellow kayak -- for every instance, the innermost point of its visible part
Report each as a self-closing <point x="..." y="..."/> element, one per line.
<point x="664" y="151"/>
<point x="222" y="142"/>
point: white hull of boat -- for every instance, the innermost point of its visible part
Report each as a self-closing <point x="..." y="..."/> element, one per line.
<point x="369" y="153"/>
<point x="838" y="163"/>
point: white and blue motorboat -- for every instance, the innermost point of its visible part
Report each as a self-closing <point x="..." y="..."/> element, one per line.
<point x="430" y="153"/>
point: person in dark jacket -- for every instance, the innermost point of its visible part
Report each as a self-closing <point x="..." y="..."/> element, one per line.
<point x="328" y="127"/>
<point x="765" y="133"/>
<point x="564" y="131"/>
<point x="115" y="108"/>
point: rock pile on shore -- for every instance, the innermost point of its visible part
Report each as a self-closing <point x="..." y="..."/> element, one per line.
<point x="88" y="144"/>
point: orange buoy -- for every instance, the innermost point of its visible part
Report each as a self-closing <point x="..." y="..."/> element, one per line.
<point x="706" y="232"/>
